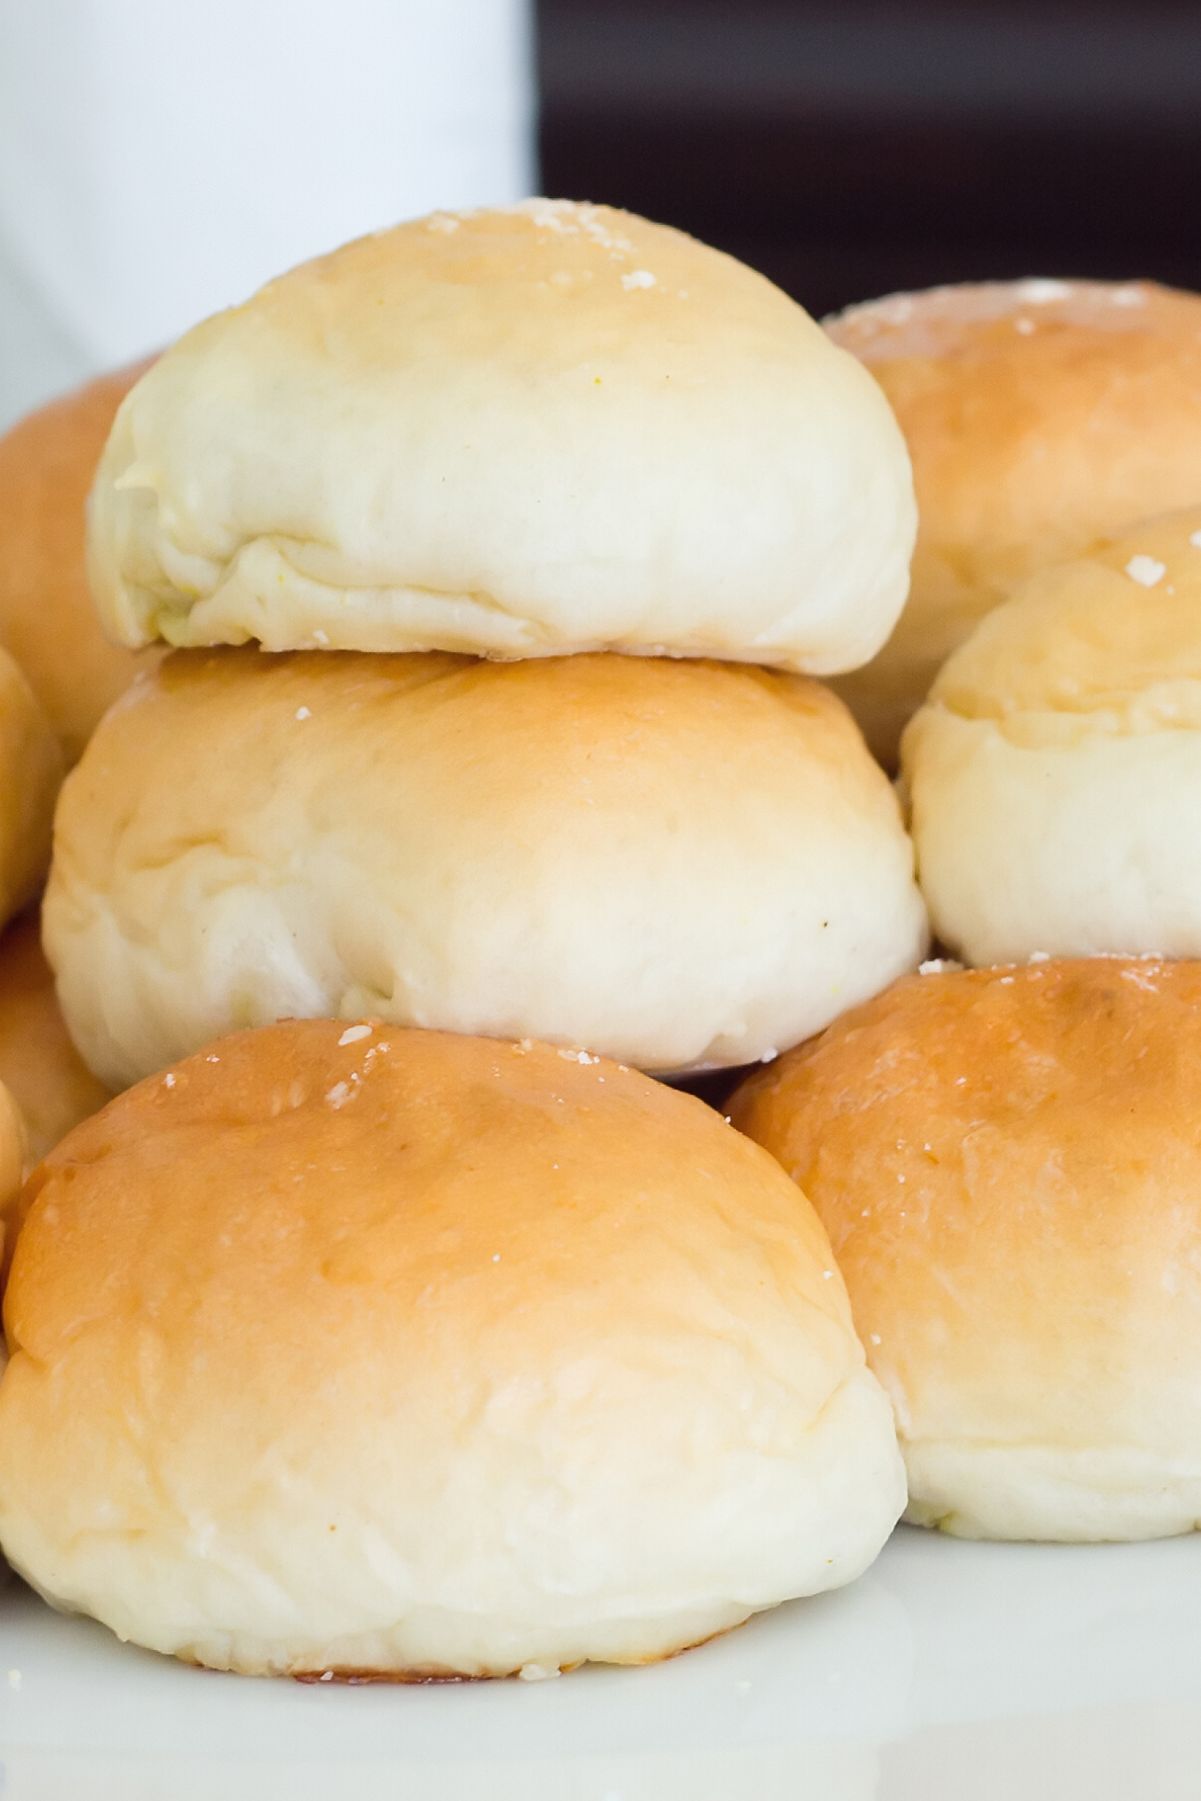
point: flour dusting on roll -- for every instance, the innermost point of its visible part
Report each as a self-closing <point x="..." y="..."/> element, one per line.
<point x="1054" y="774"/>
<point x="680" y="864"/>
<point x="370" y="1352"/>
<point x="515" y="433"/>
<point x="1039" y="415"/>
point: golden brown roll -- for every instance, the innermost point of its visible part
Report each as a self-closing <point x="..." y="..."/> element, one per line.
<point x="1008" y="1163"/>
<point x="680" y="864"/>
<point x="31" y="771"/>
<point x="1054" y="774"/>
<point x="41" y="1068"/>
<point x="1039" y="416"/>
<point x="343" y="1349"/>
<point x="544" y="429"/>
<point x="47" y="620"/>
<point x="13" y="1153"/>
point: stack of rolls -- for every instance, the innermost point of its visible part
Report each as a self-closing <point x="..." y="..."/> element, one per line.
<point x="1040" y="415"/>
<point x="391" y="1321"/>
<point x="1008" y="1157"/>
<point x="466" y="1350"/>
<point x="542" y="437"/>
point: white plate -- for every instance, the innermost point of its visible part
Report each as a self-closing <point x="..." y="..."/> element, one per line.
<point x="951" y="1672"/>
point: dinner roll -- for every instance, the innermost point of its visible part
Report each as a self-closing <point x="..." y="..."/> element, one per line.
<point x="407" y="1354"/>
<point x="521" y="432"/>
<point x="31" y="769"/>
<point x="680" y="864"/>
<point x="13" y="1152"/>
<point x="40" y="1066"/>
<point x="47" y="620"/>
<point x="1039" y="415"/>
<point x="1008" y="1164"/>
<point x="1055" y="773"/>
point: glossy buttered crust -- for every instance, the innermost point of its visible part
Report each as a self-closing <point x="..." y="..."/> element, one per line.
<point x="44" y="1073"/>
<point x="548" y="429"/>
<point x="414" y="1354"/>
<point x="1055" y="773"/>
<point x="676" y="863"/>
<point x="47" y="620"/>
<point x="1008" y="1163"/>
<point x="1040" y="415"/>
<point x="31" y="771"/>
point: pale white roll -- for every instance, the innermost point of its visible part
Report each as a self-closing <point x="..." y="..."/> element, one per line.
<point x="1055" y="772"/>
<point x="514" y="433"/>
<point x="680" y="864"/>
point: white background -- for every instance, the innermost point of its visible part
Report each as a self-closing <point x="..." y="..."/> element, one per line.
<point x="950" y="1672"/>
<point x="162" y="158"/>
